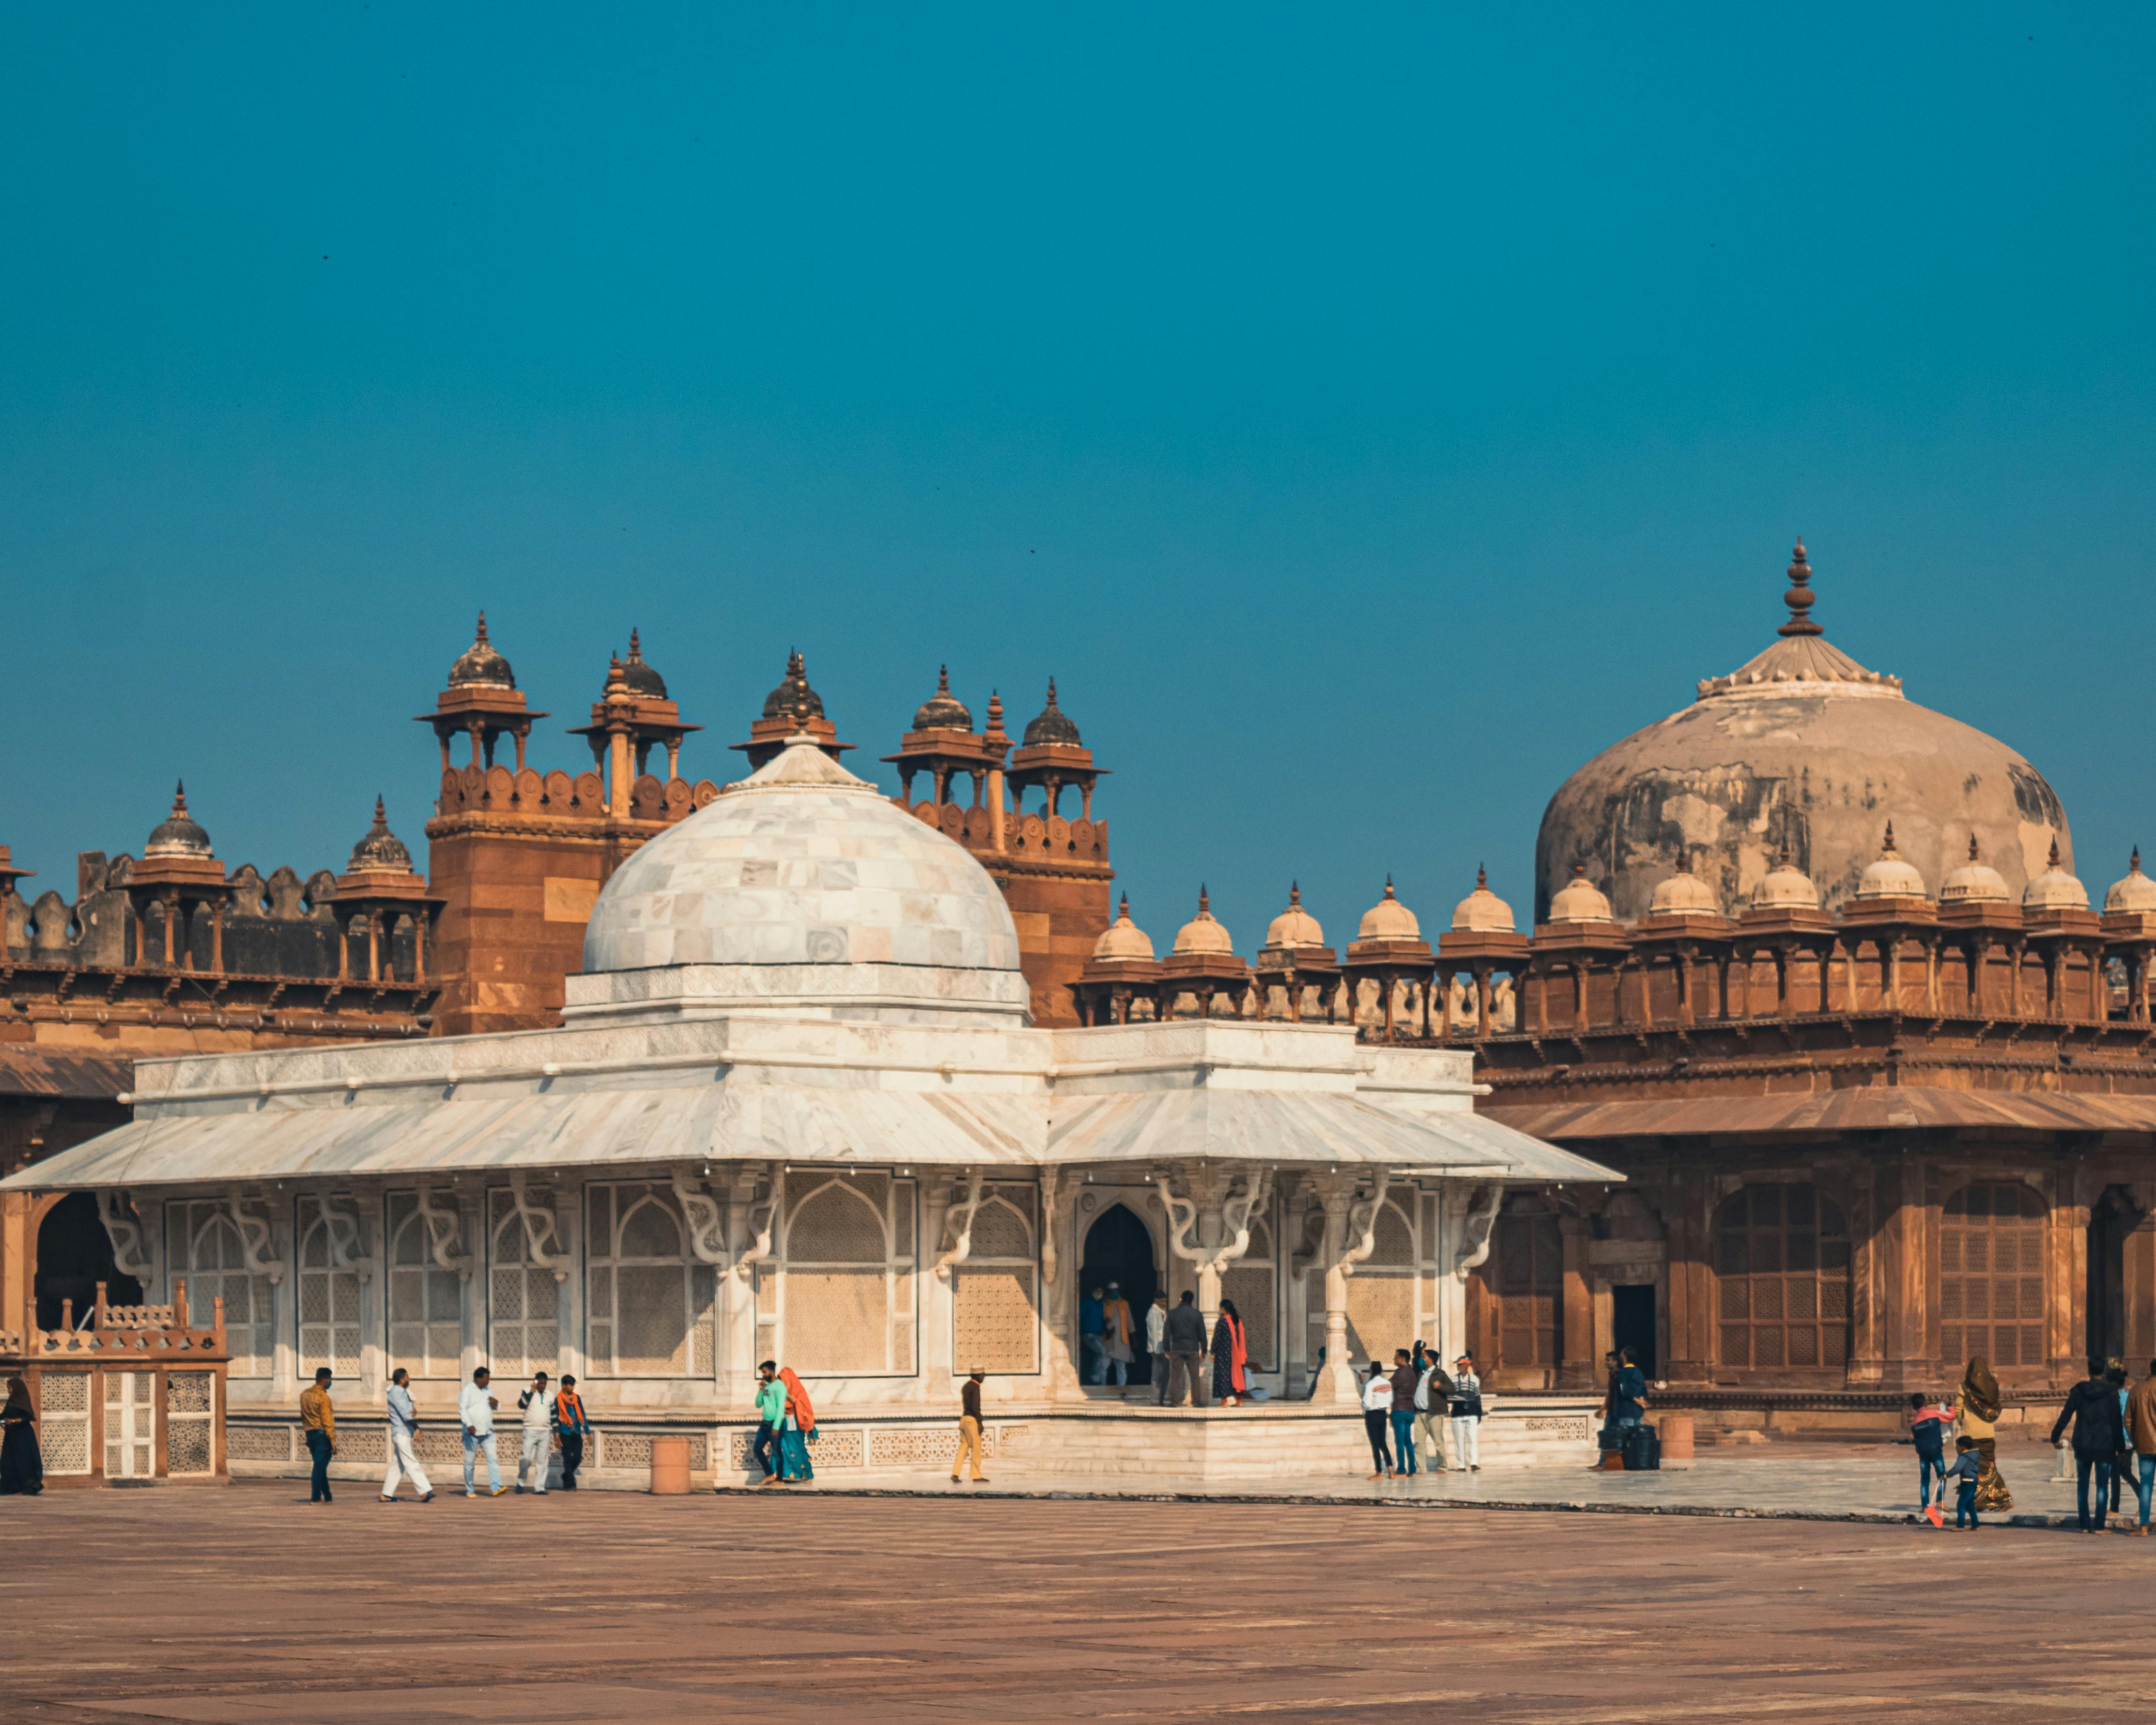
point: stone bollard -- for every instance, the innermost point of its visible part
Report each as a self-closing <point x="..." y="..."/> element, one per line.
<point x="2065" y="1475"/>
<point x="1676" y="1437"/>
<point x="670" y="1467"/>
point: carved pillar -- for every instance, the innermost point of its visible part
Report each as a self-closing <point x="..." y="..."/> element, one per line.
<point x="1689" y="1236"/>
<point x="1295" y="1266"/>
<point x="471" y="1231"/>
<point x="1576" y="1324"/>
<point x="1059" y="1274"/>
<point x="1870" y="1271"/>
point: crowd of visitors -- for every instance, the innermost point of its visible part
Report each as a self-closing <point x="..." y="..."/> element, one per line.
<point x="1413" y="1394"/>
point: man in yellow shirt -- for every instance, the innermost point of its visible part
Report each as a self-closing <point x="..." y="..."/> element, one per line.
<point x="318" y="1420"/>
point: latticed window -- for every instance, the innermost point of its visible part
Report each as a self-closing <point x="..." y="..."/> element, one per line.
<point x="203" y="1242"/>
<point x="1381" y="1293"/>
<point x="995" y="1314"/>
<point x="650" y="1306"/>
<point x="190" y="1421"/>
<point x="62" y="1429"/>
<point x="846" y="1298"/>
<point x="1528" y="1257"/>
<point x="1991" y="1275"/>
<point x="426" y="1314"/>
<point x="328" y="1296"/>
<point x="523" y="1297"/>
<point x="1252" y="1281"/>
<point x="1782" y="1253"/>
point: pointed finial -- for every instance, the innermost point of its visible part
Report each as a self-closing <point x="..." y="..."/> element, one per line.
<point x="1204" y="904"/>
<point x="1124" y="915"/>
<point x="635" y="650"/>
<point x="180" y="797"/>
<point x="1481" y="879"/>
<point x="482" y="628"/>
<point x="1799" y="597"/>
<point x="1294" y="893"/>
<point x="995" y="715"/>
<point x="381" y="811"/>
<point x="1051" y="692"/>
<point x="942" y="679"/>
<point x="1888" y="849"/>
<point x="1389" y="886"/>
<point x="1972" y="845"/>
<point x="2133" y="865"/>
<point x="2055" y="853"/>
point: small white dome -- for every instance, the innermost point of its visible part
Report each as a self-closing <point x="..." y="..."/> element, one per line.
<point x="1785" y="887"/>
<point x="2054" y="889"/>
<point x="1579" y="900"/>
<point x="1482" y="911"/>
<point x="1123" y="938"/>
<point x="1975" y="883"/>
<point x="1889" y="876"/>
<point x="1201" y="933"/>
<point x="1683" y="891"/>
<point x="1294" y="926"/>
<point x="1388" y="920"/>
<point x="802" y="864"/>
<point x="2136" y="892"/>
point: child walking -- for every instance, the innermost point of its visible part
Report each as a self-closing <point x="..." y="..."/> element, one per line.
<point x="1927" y="1428"/>
<point x="1966" y="1465"/>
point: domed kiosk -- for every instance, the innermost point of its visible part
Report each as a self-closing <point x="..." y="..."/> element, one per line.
<point x="1801" y="747"/>
<point x="799" y="1110"/>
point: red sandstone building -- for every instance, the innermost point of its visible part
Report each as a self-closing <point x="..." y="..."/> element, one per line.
<point x="1885" y="1098"/>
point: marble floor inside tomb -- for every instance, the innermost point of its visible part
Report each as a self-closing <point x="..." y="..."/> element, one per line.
<point x="241" y="1604"/>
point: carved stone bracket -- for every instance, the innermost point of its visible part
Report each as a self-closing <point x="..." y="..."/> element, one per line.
<point x="340" y="1223"/>
<point x="254" y="1241"/>
<point x="1475" y="1229"/>
<point x="1363" y="1224"/>
<point x="763" y="1219"/>
<point x="958" y="1227"/>
<point x="131" y="1252"/>
<point x="1058" y="1186"/>
<point x="706" y="1219"/>
<point x="445" y="1234"/>
<point x="542" y="1237"/>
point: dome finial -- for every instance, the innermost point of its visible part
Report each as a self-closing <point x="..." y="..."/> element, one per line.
<point x="2133" y="863"/>
<point x="1389" y="886"/>
<point x="482" y="628"/>
<point x="2054" y="853"/>
<point x="1888" y="849"/>
<point x="1295" y="892"/>
<point x="1204" y="904"/>
<point x="1800" y="598"/>
<point x="1972" y="845"/>
<point x="1481" y="878"/>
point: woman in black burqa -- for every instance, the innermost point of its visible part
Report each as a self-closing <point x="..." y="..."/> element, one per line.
<point x="22" y="1468"/>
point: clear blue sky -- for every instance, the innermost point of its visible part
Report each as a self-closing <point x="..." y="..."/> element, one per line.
<point x="1365" y="416"/>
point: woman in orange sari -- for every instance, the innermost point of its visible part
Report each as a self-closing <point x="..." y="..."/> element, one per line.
<point x="1231" y="1357"/>
<point x="800" y="1426"/>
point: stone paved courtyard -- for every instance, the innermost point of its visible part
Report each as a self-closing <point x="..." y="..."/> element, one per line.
<point x="245" y="1604"/>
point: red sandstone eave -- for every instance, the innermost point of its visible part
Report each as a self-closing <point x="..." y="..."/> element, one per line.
<point x="42" y="1072"/>
<point x="1861" y="1108"/>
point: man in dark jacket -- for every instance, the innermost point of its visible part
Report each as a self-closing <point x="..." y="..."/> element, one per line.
<point x="1185" y="1334"/>
<point x="2092" y="1407"/>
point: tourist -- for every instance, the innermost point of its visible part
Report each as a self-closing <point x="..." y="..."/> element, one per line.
<point x="798" y="1433"/>
<point x="970" y="1427"/>
<point x="1404" y="1384"/>
<point x="475" y="1413"/>
<point x="2141" y="1432"/>
<point x="1976" y="1411"/>
<point x="1433" y="1403"/>
<point x="404" y="1441"/>
<point x="770" y="1420"/>
<point x="318" y="1420"/>
<point x="22" y="1467"/>
<point x="1928" y="1431"/>
<point x="1466" y="1416"/>
<point x="571" y="1428"/>
<point x="1967" y="1473"/>
<point x="1377" y="1417"/>
<point x="1092" y="1355"/>
<point x="2114" y="1374"/>
<point x="2092" y="1407"/>
<point x="1231" y="1357"/>
<point x="1157" y="1346"/>
<point x="1185" y="1335"/>
<point x="1628" y="1395"/>
<point x="536" y="1454"/>
<point x="1115" y="1335"/>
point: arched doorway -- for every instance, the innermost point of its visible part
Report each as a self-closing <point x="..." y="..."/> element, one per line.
<point x="2117" y="1278"/>
<point x="1119" y="1250"/>
<point x="75" y="1253"/>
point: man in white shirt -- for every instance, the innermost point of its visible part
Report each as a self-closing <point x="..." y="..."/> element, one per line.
<point x="537" y="1402"/>
<point x="1157" y="1346"/>
<point x="404" y="1440"/>
<point x="475" y="1409"/>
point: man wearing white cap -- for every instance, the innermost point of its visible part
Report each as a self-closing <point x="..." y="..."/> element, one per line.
<point x="1466" y="1416"/>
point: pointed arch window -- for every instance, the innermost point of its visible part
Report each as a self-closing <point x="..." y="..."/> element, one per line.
<point x="996" y="1319"/>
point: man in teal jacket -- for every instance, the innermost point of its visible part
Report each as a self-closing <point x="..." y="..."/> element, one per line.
<point x="771" y="1418"/>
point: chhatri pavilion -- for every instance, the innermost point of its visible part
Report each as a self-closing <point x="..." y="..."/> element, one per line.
<point x="799" y="1108"/>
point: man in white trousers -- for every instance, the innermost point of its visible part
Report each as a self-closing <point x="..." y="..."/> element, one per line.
<point x="476" y="1411"/>
<point x="537" y="1402"/>
<point x="404" y="1441"/>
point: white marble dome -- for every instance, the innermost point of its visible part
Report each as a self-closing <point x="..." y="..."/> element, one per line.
<point x="1975" y="882"/>
<point x="799" y="886"/>
<point x="1123" y="938"/>
<point x="2054" y="889"/>
<point x="2133" y="891"/>
<point x="1785" y="887"/>
<point x="1204" y="932"/>
<point x="1294" y="926"/>
<point x="1482" y="911"/>
<point x="1579" y="900"/>
<point x="1681" y="894"/>
<point x="1388" y="920"/>
<point x="1890" y="874"/>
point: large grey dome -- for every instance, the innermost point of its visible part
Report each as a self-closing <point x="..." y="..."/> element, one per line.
<point x="1804" y="747"/>
<point x="802" y="887"/>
